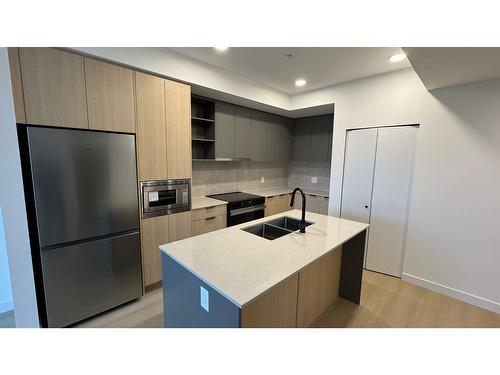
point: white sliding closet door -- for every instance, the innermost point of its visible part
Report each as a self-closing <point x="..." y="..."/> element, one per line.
<point x="390" y="198"/>
<point x="358" y="174"/>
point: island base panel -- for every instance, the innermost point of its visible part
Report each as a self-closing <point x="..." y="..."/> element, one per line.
<point x="182" y="301"/>
<point x="351" y="273"/>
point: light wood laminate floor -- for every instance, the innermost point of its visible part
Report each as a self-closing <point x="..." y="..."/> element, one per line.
<point x="385" y="302"/>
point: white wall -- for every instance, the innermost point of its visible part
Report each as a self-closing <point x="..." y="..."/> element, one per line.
<point x="453" y="243"/>
<point x="13" y="207"/>
<point x="6" y="303"/>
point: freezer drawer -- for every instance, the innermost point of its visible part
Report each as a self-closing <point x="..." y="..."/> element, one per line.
<point x="86" y="279"/>
<point x="84" y="183"/>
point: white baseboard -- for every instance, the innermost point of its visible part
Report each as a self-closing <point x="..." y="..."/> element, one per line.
<point x="455" y="293"/>
<point x="6" y="306"/>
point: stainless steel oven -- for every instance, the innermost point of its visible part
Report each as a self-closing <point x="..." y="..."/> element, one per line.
<point x="165" y="197"/>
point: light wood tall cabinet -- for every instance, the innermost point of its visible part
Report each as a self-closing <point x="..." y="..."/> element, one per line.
<point x="163" y="140"/>
<point x="154" y="232"/>
<point x="110" y="96"/>
<point x="151" y="132"/>
<point x="179" y="226"/>
<point x="178" y="121"/>
<point x="17" y="84"/>
<point x="53" y="87"/>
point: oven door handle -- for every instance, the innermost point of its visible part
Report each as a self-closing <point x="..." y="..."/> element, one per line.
<point x="246" y="210"/>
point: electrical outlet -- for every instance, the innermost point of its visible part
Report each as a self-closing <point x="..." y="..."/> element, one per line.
<point x="204" y="301"/>
<point x="262" y="180"/>
<point x="314" y="180"/>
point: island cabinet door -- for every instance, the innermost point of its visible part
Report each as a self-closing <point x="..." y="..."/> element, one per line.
<point x="318" y="287"/>
<point x="276" y="308"/>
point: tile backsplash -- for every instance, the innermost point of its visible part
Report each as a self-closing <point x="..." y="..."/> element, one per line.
<point x="211" y="177"/>
<point x="300" y="174"/>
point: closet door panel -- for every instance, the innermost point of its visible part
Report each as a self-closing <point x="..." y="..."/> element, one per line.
<point x="358" y="174"/>
<point x="391" y="188"/>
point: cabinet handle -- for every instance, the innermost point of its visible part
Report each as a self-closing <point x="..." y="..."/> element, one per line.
<point x="210" y="218"/>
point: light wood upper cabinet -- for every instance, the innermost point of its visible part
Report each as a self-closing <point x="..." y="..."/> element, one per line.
<point x="178" y="120"/>
<point x="151" y="135"/>
<point x="54" y="87"/>
<point x="110" y="96"/>
<point x="17" y="84"/>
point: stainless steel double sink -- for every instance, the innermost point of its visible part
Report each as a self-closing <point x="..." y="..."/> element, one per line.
<point x="276" y="228"/>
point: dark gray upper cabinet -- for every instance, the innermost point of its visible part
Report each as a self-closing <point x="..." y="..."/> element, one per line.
<point x="242" y="133"/>
<point x="321" y="134"/>
<point x="301" y="139"/>
<point x="259" y="135"/>
<point x="274" y="142"/>
<point x="224" y="130"/>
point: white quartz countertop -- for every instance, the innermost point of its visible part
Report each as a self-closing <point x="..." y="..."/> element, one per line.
<point x="203" y="202"/>
<point x="241" y="265"/>
<point x="270" y="192"/>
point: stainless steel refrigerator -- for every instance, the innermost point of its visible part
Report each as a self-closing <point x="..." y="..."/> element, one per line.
<point x="82" y="204"/>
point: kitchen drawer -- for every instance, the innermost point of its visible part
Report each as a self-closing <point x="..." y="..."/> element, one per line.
<point x="207" y="212"/>
<point x="209" y="224"/>
<point x="312" y="203"/>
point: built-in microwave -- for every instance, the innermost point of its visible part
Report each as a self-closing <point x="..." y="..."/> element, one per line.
<point x="165" y="197"/>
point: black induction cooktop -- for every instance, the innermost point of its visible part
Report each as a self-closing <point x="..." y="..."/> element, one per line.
<point x="236" y="196"/>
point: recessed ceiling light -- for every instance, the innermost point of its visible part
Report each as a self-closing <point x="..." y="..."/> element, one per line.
<point x="300" y="82"/>
<point x="221" y="49"/>
<point x="397" y="58"/>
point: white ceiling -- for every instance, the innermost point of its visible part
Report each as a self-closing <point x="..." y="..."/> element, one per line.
<point x="446" y="66"/>
<point x="321" y="67"/>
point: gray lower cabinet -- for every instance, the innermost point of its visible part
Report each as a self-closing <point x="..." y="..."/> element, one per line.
<point x="321" y="136"/>
<point x="242" y="133"/>
<point x="314" y="203"/>
<point x="301" y="139"/>
<point x="259" y="136"/>
<point x="224" y="130"/>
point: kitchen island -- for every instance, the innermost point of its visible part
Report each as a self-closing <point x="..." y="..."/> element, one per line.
<point x="236" y="278"/>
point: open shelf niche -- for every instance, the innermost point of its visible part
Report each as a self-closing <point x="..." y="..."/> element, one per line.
<point x="202" y="128"/>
